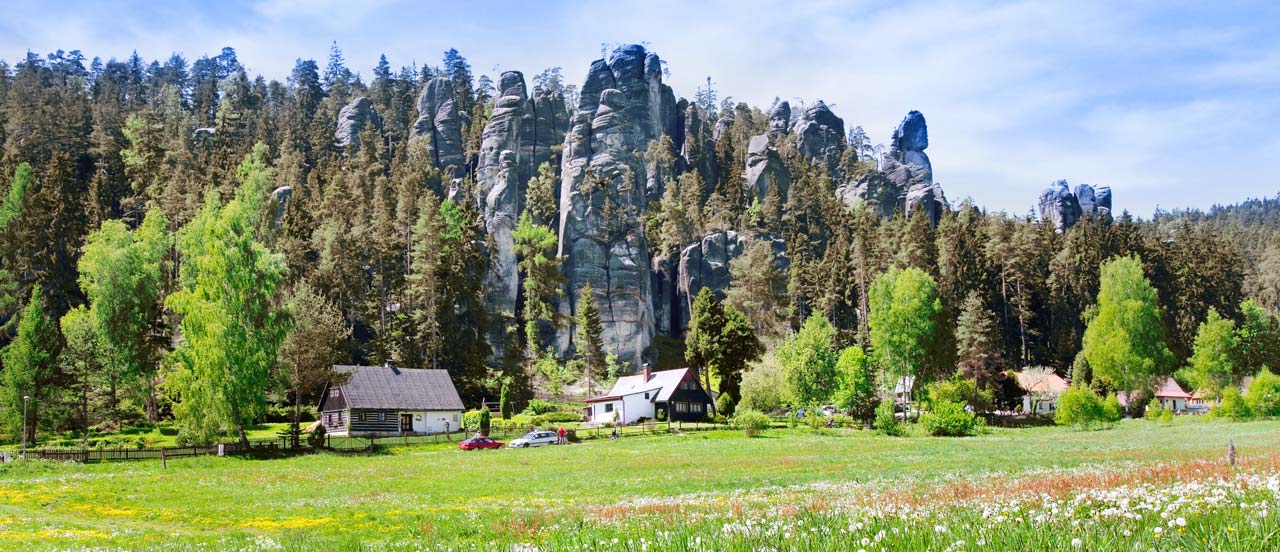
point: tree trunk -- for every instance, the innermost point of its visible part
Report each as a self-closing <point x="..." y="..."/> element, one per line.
<point x="295" y="430"/>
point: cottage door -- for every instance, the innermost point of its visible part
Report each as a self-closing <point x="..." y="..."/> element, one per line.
<point x="406" y="423"/>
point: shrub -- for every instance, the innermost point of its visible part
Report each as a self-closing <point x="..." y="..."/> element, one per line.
<point x="1264" y="394"/>
<point x="950" y="419"/>
<point x="561" y="417"/>
<point x="1112" y="412"/>
<point x="471" y="420"/>
<point x="1080" y="407"/>
<point x="661" y="416"/>
<point x="1232" y="406"/>
<point x="886" y="422"/>
<point x="316" y="438"/>
<point x="1166" y="417"/>
<point x="1153" y="411"/>
<point x="751" y="422"/>
<point x="539" y="406"/>
<point x="725" y="404"/>
<point x="843" y="420"/>
<point x="485" y="422"/>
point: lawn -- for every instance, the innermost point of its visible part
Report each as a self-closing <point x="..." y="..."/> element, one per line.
<point x="1140" y="484"/>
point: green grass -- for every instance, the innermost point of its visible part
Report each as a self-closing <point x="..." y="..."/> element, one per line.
<point x="802" y="490"/>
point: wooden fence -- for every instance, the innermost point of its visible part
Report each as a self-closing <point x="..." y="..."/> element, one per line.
<point x="158" y="453"/>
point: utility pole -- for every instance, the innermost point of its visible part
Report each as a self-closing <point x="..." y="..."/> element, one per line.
<point x="25" y="399"/>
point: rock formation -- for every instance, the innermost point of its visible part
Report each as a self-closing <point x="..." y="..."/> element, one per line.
<point x="1062" y="208"/>
<point x="705" y="264"/>
<point x="780" y="119"/>
<point x="698" y="147"/>
<point x="280" y="198"/>
<point x="1059" y="207"/>
<point x="905" y="180"/>
<point x="765" y="169"/>
<point x="439" y="125"/>
<point x="820" y="136"/>
<point x="354" y="117"/>
<point x="519" y="136"/>
<point x="623" y="106"/>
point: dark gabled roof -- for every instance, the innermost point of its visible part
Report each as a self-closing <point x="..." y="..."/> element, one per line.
<point x="385" y="387"/>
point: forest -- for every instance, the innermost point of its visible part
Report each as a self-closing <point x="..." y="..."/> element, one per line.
<point x="181" y="239"/>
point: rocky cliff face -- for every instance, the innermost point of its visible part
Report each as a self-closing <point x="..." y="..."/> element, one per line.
<point x="623" y="106"/>
<point x="906" y="177"/>
<point x="354" y="117"/>
<point x="1062" y="208"/>
<point x="439" y="125"/>
<point x="765" y="169"/>
<point x="780" y="119"/>
<point x="705" y="264"/>
<point x="820" y="136"/>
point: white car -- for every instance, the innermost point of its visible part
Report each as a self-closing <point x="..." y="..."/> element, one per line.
<point x="534" y="439"/>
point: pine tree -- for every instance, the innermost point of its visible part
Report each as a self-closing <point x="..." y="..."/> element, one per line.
<point x="977" y="349"/>
<point x="589" y="341"/>
<point x="310" y="351"/>
<point x="757" y="289"/>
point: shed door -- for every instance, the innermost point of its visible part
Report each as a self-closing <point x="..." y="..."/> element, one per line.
<point x="406" y="423"/>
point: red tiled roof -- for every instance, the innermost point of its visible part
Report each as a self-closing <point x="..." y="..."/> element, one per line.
<point x="1051" y="383"/>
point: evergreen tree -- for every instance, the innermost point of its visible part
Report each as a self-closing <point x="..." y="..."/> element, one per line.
<point x="535" y="246"/>
<point x="308" y="354"/>
<point x="757" y="289"/>
<point x="30" y="369"/>
<point x="977" y="349"/>
<point x="589" y="342"/>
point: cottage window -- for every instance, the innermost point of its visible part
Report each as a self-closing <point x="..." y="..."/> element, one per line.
<point x="359" y="416"/>
<point x="697" y="407"/>
<point x="682" y="407"/>
<point x="608" y="407"/>
<point x="382" y="416"/>
<point x="646" y="396"/>
<point x="333" y="392"/>
<point x="455" y="418"/>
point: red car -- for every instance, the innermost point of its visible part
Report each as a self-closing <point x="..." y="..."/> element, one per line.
<point x="479" y="442"/>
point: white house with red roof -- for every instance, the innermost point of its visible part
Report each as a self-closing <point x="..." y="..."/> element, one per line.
<point x="1042" y="388"/>
<point x="1168" y="393"/>
<point x="675" y="393"/>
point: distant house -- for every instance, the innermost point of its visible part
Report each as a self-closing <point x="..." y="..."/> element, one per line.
<point x="675" y="393"/>
<point x="384" y="400"/>
<point x="902" y="390"/>
<point x="1041" y="390"/>
<point x="1170" y="395"/>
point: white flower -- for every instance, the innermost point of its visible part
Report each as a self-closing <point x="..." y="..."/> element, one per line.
<point x="1159" y="530"/>
<point x="1182" y="522"/>
<point x="939" y="529"/>
<point x="1076" y="543"/>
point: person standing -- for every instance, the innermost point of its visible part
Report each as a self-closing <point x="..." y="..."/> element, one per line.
<point x="560" y="439"/>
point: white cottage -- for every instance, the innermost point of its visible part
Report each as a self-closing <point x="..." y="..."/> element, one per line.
<point x="675" y="393"/>
<point x="385" y="400"/>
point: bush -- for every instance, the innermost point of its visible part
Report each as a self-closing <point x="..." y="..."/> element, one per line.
<point x="950" y="419"/>
<point x="1112" y="412"/>
<point x="1080" y="407"/>
<point x="316" y="438"/>
<point x="561" y="417"/>
<point x="1166" y="417"/>
<point x="725" y="404"/>
<point x="1154" y="411"/>
<point x="471" y="421"/>
<point x="485" y="421"/>
<point x="750" y="421"/>
<point x="539" y="406"/>
<point x="1232" y="406"/>
<point x="844" y="420"/>
<point x="886" y="422"/>
<point x="1264" y="394"/>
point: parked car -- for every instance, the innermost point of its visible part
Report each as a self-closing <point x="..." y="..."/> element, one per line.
<point x="534" y="439"/>
<point x="479" y="442"/>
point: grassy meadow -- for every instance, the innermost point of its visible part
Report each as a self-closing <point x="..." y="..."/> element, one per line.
<point x="1140" y="485"/>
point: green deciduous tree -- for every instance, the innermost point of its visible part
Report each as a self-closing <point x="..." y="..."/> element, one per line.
<point x="232" y="323"/>
<point x="1263" y="396"/>
<point x="856" y="391"/>
<point x="1257" y="339"/>
<point x="1125" y="338"/>
<point x="809" y="363"/>
<point x="903" y="318"/>
<point x="124" y="275"/>
<point x="1212" y="364"/>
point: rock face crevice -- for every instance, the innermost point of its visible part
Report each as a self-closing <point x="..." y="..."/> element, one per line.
<point x="439" y="125"/>
<point x="1062" y="208"/>
<point x="622" y="107"/>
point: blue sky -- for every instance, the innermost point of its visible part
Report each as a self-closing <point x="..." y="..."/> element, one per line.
<point x="1172" y="104"/>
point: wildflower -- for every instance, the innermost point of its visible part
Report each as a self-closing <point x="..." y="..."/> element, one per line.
<point x="1076" y="543"/>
